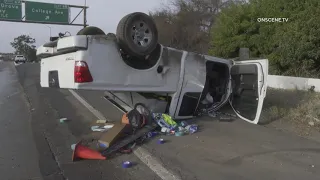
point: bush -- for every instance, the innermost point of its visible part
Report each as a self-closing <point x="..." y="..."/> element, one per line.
<point x="292" y="47"/>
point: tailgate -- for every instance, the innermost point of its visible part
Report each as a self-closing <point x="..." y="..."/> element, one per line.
<point x="58" y="71"/>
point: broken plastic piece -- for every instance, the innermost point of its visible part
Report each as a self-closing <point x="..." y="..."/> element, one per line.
<point x="101" y="129"/>
<point x="73" y="146"/>
<point x="97" y="129"/>
<point x="108" y="126"/>
<point x="151" y="134"/>
<point x="126" y="164"/>
<point x="192" y="128"/>
<point x="178" y="133"/>
<point x="180" y="128"/>
<point x="183" y="123"/>
<point x="62" y="120"/>
<point x="160" y="141"/>
<point x="165" y="130"/>
<point x="101" y="121"/>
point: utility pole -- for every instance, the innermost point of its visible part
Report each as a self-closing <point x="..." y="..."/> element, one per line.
<point x="49" y="29"/>
<point x="85" y="14"/>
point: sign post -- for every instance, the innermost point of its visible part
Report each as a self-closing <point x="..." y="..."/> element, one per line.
<point x="10" y="10"/>
<point x="47" y="12"/>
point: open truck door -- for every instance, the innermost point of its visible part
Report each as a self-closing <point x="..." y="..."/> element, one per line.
<point x="249" y="86"/>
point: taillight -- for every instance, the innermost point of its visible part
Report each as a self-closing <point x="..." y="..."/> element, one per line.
<point x="81" y="72"/>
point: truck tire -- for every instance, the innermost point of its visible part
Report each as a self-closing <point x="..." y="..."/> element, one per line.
<point x="91" y="30"/>
<point x="137" y="34"/>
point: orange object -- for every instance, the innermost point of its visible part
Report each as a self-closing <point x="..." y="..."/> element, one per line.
<point x="125" y="119"/>
<point x="83" y="152"/>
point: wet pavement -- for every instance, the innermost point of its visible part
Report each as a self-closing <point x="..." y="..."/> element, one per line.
<point x="220" y="150"/>
<point x="18" y="153"/>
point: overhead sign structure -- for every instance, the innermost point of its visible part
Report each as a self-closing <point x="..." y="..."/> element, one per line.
<point x="47" y="12"/>
<point x="10" y="9"/>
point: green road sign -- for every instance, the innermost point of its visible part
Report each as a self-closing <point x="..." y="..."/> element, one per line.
<point x="46" y="12"/>
<point x="10" y="9"/>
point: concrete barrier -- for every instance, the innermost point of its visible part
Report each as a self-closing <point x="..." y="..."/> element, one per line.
<point x="289" y="82"/>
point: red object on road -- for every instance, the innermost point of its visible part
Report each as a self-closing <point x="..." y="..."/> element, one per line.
<point x="125" y="151"/>
<point x="83" y="152"/>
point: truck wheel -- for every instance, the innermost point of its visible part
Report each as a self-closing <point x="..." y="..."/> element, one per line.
<point x="137" y="34"/>
<point x="91" y="30"/>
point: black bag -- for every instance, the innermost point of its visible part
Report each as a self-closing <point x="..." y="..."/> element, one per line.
<point x="138" y="119"/>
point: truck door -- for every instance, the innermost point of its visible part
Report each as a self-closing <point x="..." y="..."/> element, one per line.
<point x="249" y="86"/>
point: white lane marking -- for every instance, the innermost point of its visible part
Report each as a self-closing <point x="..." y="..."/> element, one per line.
<point x="154" y="164"/>
<point x="87" y="105"/>
<point x="140" y="152"/>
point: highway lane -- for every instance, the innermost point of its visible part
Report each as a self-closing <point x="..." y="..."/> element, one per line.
<point x="230" y="150"/>
<point x="234" y="150"/>
<point x="48" y="105"/>
<point x="18" y="152"/>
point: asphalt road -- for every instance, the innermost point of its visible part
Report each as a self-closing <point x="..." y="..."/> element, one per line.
<point x="220" y="150"/>
<point x="18" y="153"/>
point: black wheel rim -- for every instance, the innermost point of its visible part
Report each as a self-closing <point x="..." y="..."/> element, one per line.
<point x="141" y="34"/>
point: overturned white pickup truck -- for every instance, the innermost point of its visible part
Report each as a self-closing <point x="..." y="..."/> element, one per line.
<point x="132" y="67"/>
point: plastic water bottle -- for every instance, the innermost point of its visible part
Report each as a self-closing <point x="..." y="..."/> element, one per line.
<point x="192" y="128"/>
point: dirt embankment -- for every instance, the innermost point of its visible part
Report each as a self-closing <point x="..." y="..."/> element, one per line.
<point x="299" y="109"/>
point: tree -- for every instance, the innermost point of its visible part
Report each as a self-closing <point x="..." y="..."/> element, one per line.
<point x="24" y="45"/>
<point x="292" y="47"/>
<point x="186" y="24"/>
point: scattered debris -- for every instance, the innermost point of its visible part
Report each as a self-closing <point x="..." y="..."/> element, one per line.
<point x="192" y="128"/>
<point x="83" y="152"/>
<point x="129" y="139"/>
<point x="179" y="133"/>
<point x="134" y="128"/>
<point x="161" y="141"/>
<point x="164" y="120"/>
<point x="152" y="134"/>
<point x="183" y="123"/>
<point x="222" y="116"/>
<point x="170" y="127"/>
<point x="112" y="134"/>
<point x="73" y="146"/>
<point x="97" y="129"/>
<point x="62" y="120"/>
<point x="126" y="164"/>
<point x="102" y="128"/>
<point x="125" y="150"/>
<point x="101" y="121"/>
<point x="311" y="123"/>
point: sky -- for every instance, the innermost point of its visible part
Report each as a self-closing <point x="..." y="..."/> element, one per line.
<point x="104" y="14"/>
